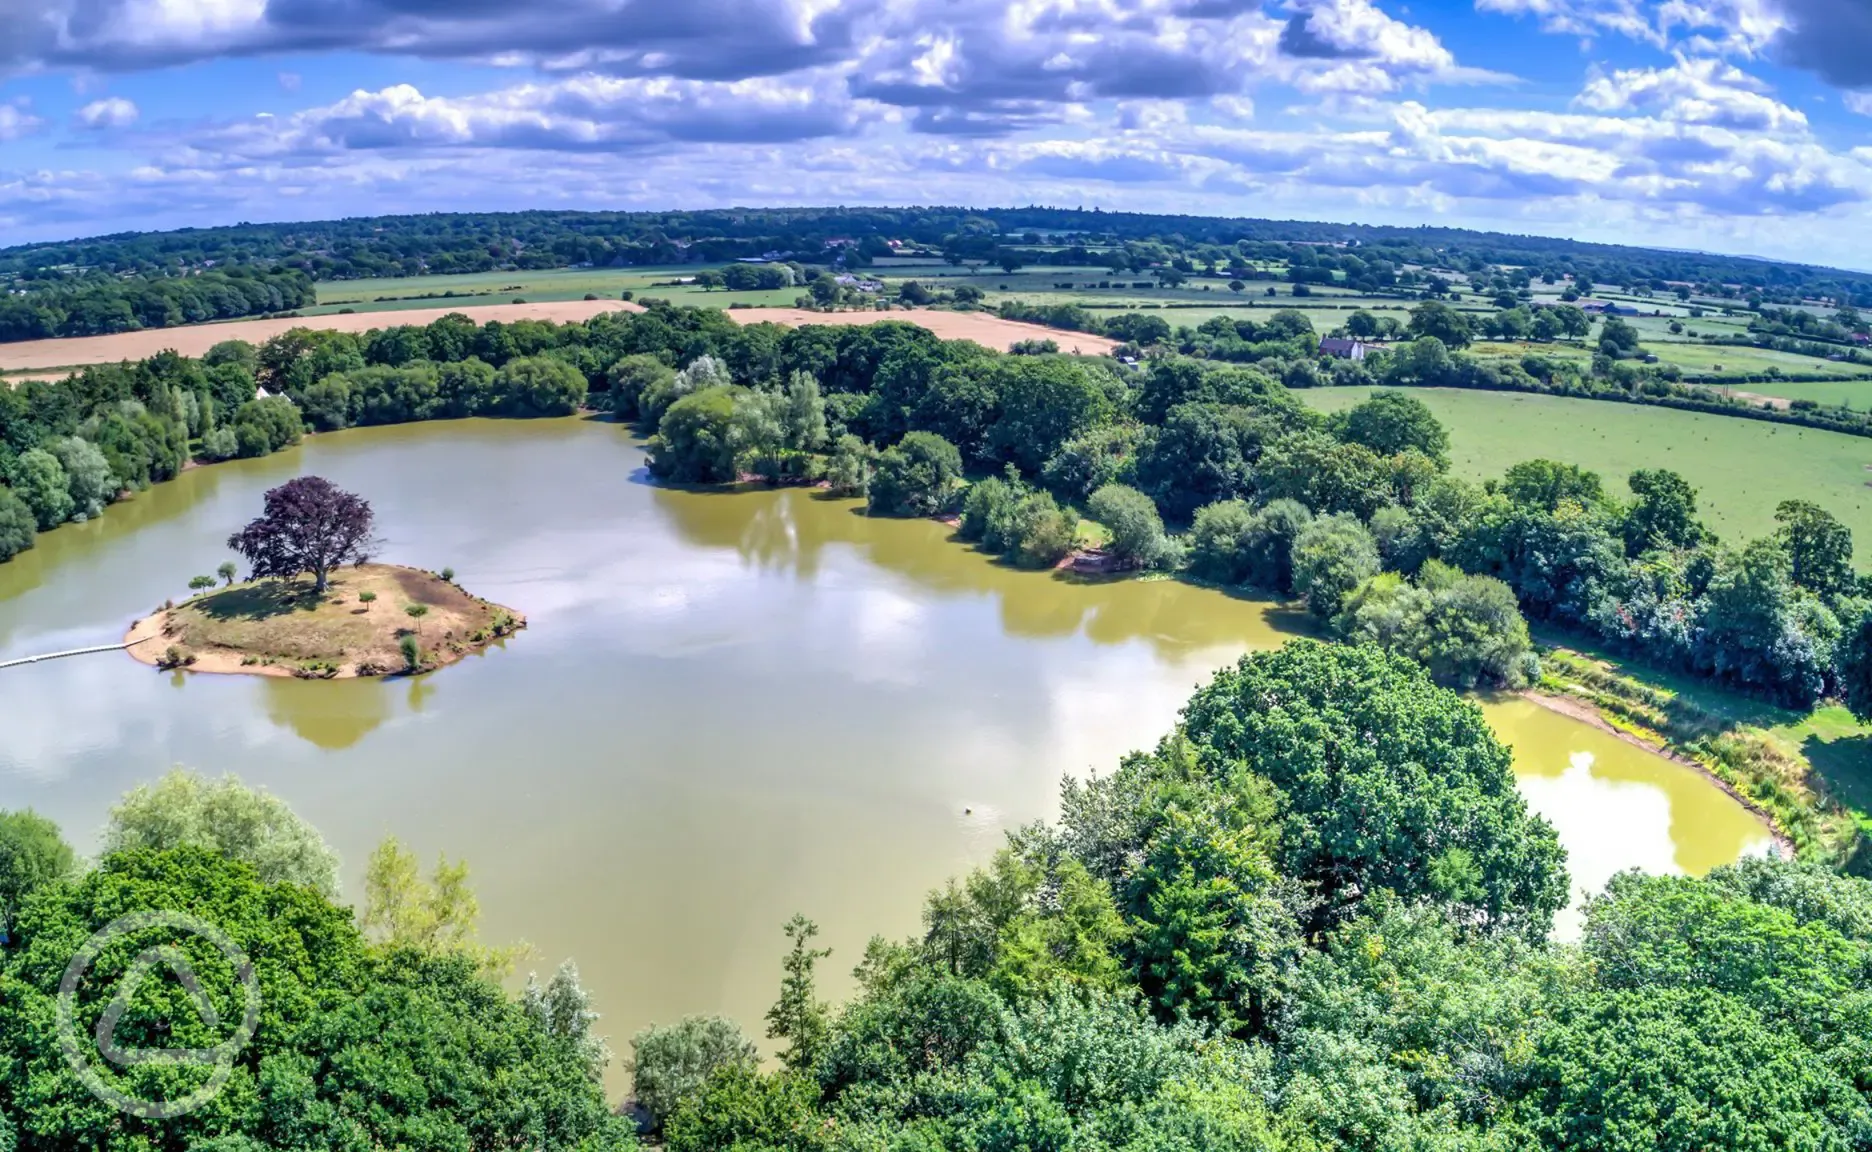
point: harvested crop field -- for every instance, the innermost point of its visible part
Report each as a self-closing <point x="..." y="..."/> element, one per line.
<point x="194" y="340"/>
<point x="989" y="331"/>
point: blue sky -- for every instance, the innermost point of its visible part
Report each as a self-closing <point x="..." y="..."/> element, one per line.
<point x="1729" y="125"/>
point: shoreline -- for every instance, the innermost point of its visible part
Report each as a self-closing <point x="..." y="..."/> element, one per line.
<point x="1576" y="709"/>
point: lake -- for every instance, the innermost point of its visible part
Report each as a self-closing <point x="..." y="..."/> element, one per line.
<point x="728" y="707"/>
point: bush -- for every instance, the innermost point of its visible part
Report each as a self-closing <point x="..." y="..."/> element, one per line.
<point x="1332" y="556"/>
<point x="412" y="653"/>
<point x="915" y="477"/>
<point x="1219" y="542"/>
<point x="1137" y="531"/>
<point x="17" y="529"/>
<point x="671" y="1065"/>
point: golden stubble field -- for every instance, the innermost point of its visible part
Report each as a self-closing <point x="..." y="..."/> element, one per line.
<point x="36" y="356"/>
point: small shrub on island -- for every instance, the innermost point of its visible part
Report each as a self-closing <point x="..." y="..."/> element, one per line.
<point x="448" y="575"/>
<point x="412" y="654"/>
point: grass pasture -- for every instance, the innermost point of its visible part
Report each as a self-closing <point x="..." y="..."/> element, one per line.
<point x="1741" y="468"/>
<point x="549" y="286"/>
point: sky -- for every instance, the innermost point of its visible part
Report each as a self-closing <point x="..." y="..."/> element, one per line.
<point x="1741" y="126"/>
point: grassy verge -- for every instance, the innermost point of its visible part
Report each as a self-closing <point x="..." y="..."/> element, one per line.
<point x="1809" y="774"/>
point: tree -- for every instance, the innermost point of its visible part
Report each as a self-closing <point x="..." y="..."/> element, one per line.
<point x="1618" y="339"/>
<point x="228" y="570"/>
<point x="915" y="477"/>
<point x="416" y="612"/>
<point x="198" y="583"/>
<point x="1361" y="325"/>
<point x="671" y="1065"/>
<point x="372" y="1049"/>
<point x="1855" y="670"/>
<point x="1439" y="320"/>
<point x="1819" y="548"/>
<point x="1547" y="484"/>
<point x="18" y="526"/>
<point x="1137" y="532"/>
<point x="562" y="1009"/>
<point x="1380" y="773"/>
<point x="1665" y="514"/>
<point x="309" y="525"/>
<point x="1332" y="556"/>
<point x="1391" y="422"/>
<point x="633" y="378"/>
<point x="803" y="414"/>
<point x="799" y="1017"/>
<point x="539" y="386"/>
<point x="228" y="817"/>
<point x="694" y="441"/>
<point x="87" y="474"/>
<point x="433" y="916"/>
<point x="33" y="854"/>
<point x="1218" y="541"/>
<point x="40" y="481"/>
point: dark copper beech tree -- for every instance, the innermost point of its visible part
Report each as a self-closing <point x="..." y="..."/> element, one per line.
<point x="310" y="525"/>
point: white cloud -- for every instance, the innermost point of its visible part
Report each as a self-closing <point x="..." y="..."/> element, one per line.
<point x="1860" y="102"/>
<point x="1706" y="91"/>
<point x="583" y="113"/>
<point x="15" y="122"/>
<point x="111" y="112"/>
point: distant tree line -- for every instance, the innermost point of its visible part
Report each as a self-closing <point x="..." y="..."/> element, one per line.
<point x="102" y="305"/>
<point x="1369" y="257"/>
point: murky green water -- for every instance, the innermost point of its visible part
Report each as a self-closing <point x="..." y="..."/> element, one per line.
<point x="728" y="708"/>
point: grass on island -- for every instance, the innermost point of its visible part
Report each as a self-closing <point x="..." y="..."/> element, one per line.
<point x="1741" y="468"/>
<point x="355" y="627"/>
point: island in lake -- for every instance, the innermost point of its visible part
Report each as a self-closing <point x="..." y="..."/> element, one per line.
<point x="360" y="625"/>
<point x="350" y="618"/>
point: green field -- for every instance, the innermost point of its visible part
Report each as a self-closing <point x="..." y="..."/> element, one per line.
<point x="1741" y="468"/>
<point x="534" y="287"/>
<point x="1852" y="393"/>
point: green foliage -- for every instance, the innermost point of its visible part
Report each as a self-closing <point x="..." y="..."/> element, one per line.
<point x="1007" y="517"/>
<point x="1044" y="402"/>
<point x="539" y="386"/>
<point x="1202" y="454"/>
<point x="1332" y="557"/>
<point x="1392" y="422"/>
<point x="1441" y="322"/>
<point x="18" y="525"/>
<point x="1665" y="514"/>
<point x="227" y="817"/>
<point x="1137" y="532"/>
<point x="738" y="1108"/>
<point x="849" y="472"/>
<point x="1547" y="484"/>
<point x="799" y="1017"/>
<point x="694" y="440"/>
<point x="411" y="650"/>
<point x="1379" y="772"/>
<point x="1324" y="474"/>
<point x="1855" y="670"/>
<point x="634" y="377"/>
<point x="671" y="1065"/>
<point x="40" y="481"/>
<point x="33" y="854"/>
<point x="1819" y="548"/>
<point x="915" y="477"/>
<point x="354" y="1046"/>
<point x="1466" y="630"/>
